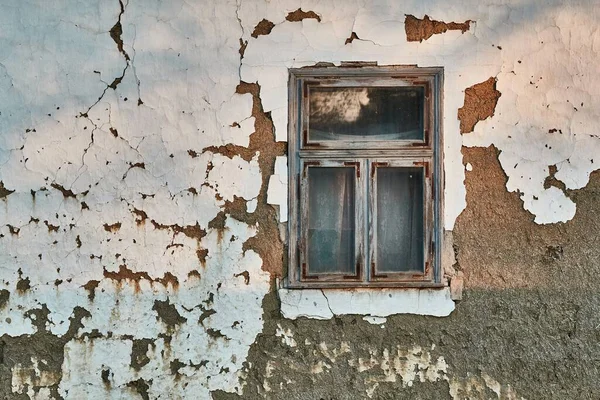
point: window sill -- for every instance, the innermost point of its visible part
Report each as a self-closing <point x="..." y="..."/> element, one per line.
<point x="327" y="303"/>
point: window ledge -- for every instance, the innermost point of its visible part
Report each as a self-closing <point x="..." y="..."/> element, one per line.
<point x="326" y="303"/>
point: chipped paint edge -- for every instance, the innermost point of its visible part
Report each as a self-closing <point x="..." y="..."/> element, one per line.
<point x="327" y="303"/>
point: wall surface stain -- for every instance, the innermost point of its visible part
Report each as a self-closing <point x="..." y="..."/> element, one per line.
<point x="168" y="313"/>
<point x="480" y="103"/>
<point x="4" y="297"/>
<point x="516" y="252"/>
<point x="418" y="30"/>
<point x="264" y="27"/>
<point x="142" y="242"/>
<point x="266" y="242"/>
<point x="4" y="191"/>
<point x="32" y="362"/>
<point x="299" y="15"/>
<point x="523" y="310"/>
<point x="353" y="36"/>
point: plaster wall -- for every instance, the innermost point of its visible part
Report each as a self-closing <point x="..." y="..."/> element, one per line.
<point x="143" y="191"/>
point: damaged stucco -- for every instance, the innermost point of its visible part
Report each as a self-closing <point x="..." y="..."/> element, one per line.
<point x="116" y="197"/>
<point x="538" y="119"/>
<point x="143" y="183"/>
<point x="327" y="303"/>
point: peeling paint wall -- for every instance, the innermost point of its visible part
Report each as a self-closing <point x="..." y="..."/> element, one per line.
<point x="143" y="201"/>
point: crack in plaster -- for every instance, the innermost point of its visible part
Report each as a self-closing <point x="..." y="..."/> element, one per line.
<point x="327" y="301"/>
<point x="81" y="252"/>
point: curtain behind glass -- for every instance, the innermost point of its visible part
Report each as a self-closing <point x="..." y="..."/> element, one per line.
<point x="331" y="220"/>
<point x="399" y="219"/>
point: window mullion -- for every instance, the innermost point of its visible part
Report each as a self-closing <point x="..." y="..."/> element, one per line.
<point x="362" y="219"/>
<point x="368" y="206"/>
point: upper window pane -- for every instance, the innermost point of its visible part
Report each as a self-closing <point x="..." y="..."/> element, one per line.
<point x="365" y="113"/>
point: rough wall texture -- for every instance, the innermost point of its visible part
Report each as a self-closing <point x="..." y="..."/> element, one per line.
<point x="418" y="30"/>
<point x="141" y="143"/>
<point x="480" y="103"/>
<point x="527" y="326"/>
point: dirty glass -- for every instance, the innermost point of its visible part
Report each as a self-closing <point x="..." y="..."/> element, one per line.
<point x="399" y="220"/>
<point x="331" y="220"/>
<point x="366" y="113"/>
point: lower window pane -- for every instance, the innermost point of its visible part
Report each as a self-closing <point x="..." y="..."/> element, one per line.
<point x="331" y="220"/>
<point x="399" y="220"/>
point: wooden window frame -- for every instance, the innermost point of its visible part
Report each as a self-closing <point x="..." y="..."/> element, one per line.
<point x="366" y="157"/>
<point x="359" y="246"/>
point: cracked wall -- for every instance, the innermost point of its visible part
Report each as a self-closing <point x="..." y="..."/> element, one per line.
<point x="143" y="187"/>
<point x="117" y="201"/>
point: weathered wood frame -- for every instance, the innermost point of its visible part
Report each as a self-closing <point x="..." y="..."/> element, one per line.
<point x="359" y="218"/>
<point x="427" y="154"/>
<point x="410" y="276"/>
<point x="363" y="82"/>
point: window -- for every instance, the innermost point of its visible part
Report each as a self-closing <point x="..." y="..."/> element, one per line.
<point x="365" y="177"/>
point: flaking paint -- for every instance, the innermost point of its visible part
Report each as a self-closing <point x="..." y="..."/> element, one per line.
<point x="112" y="113"/>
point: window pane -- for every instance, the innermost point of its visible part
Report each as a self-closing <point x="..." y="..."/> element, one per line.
<point x="399" y="219"/>
<point x="331" y="220"/>
<point x="368" y="113"/>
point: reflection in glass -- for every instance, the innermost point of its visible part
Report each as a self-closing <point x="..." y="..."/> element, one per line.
<point x="331" y="220"/>
<point x="399" y="220"/>
<point x="367" y="113"/>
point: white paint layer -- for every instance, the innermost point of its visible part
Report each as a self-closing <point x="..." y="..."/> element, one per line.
<point x="103" y="154"/>
<point x="326" y="303"/>
<point x="278" y="186"/>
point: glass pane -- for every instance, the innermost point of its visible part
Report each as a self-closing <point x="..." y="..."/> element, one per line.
<point x="399" y="219"/>
<point x="331" y="220"/>
<point x="367" y="113"/>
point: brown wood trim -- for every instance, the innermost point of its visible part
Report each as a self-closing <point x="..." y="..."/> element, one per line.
<point x="305" y="275"/>
<point x="357" y="275"/>
<point x="309" y="164"/>
<point x="349" y="285"/>
<point x="354" y="164"/>
<point x="426" y="85"/>
<point x="330" y="277"/>
<point x="378" y="71"/>
<point x="423" y="144"/>
<point x="411" y="78"/>
<point x="426" y="166"/>
<point x="427" y="268"/>
<point x="374" y="274"/>
<point x="358" y="64"/>
<point x="375" y="165"/>
<point x="401" y="276"/>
